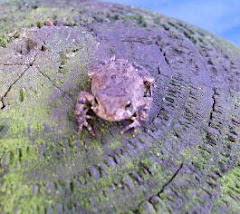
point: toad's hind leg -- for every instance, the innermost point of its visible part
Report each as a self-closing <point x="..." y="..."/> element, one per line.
<point x="149" y="84"/>
<point x="84" y="102"/>
<point x="134" y="125"/>
<point x="140" y="117"/>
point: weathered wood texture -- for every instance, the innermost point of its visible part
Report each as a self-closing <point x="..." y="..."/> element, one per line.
<point x="185" y="160"/>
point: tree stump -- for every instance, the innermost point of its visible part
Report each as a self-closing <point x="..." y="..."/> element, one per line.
<point x="184" y="160"/>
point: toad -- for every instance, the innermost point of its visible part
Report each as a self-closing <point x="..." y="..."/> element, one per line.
<point x="120" y="90"/>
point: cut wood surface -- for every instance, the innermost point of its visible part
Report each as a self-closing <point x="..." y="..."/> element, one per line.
<point x="184" y="160"/>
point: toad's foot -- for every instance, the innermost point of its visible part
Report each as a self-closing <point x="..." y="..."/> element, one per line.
<point x="140" y="117"/>
<point x="134" y="125"/>
<point x="82" y="122"/>
<point x="81" y="110"/>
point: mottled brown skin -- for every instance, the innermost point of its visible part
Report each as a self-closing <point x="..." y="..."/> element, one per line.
<point x="120" y="90"/>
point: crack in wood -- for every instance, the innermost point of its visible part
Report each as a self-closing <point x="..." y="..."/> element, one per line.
<point x="171" y="179"/>
<point x="213" y="106"/>
<point x="10" y="87"/>
<point x="50" y="80"/>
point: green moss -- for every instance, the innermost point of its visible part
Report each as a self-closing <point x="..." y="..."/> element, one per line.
<point x="36" y="17"/>
<point x="36" y="140"/>
<point x="14" y="183"/>
<point x="39" y="24"/>
<point x="196" y="201"/>
<point x="41" y="14"/>
<point x="200" y="157"/>
<point x="63" y="71"/>
<point x="12" y="144"/>
<point x="105" y="182"/>
<point x="22" y="94"/>
<point x="1" y="127"/>
<point x="165" y="197"/>
<point x="147" y="162"/>
<point x="230" y="190"/>
<point x="3" y="40"/>
<point x="187" y="153"/>
<point x="139" y="19"/>
<point x="34" y="116"/>
<point x="231" y="182"/>
<point x="115" y="144"/>
<point x="16" y="127"/>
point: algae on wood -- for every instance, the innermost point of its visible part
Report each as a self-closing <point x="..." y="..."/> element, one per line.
<point x="186" y="159"/>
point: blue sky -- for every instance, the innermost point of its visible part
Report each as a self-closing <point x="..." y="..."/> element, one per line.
<point x="221" y="17"/>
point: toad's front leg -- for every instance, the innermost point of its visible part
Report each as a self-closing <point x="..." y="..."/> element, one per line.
<point x="84" y="102"/>
<point x="140" y="117"/>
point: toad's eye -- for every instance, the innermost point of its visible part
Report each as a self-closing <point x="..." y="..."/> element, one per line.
<point x="113" y="76"/>
<point x="128" y="106"/>
<point x="95" y="100"/>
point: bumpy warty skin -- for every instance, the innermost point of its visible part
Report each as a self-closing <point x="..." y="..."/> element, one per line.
<point x="119" y="91"/>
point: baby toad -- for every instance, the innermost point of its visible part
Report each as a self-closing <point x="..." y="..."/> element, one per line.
<point x="119" y="90"/>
